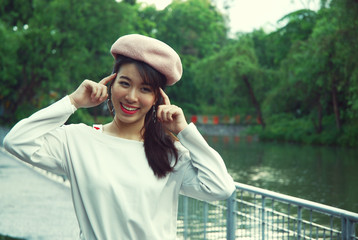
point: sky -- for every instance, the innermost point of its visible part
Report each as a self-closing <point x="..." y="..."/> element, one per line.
<point x="247" y="15"/>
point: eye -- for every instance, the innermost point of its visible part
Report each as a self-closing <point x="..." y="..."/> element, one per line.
<point x="124" y="83"/>
<point x="146" y="89"/>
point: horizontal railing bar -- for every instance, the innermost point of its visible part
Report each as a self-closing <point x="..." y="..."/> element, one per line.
<point x="285" y="215"/>
<point x="300" y="202"/>
<point x="270" y="210"/>
<point x="278" y="221"/>
<point x="307" y="223"/>
<point x="278" y="229"/>
<point x="246" y="203"/>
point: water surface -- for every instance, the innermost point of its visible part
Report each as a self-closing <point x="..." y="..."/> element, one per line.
<point x="327" y="175"/>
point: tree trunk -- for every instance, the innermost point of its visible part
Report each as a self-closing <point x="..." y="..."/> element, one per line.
<point x="335" y="103"/>
<point x="26" y="91"/>
<point x="318" y="126"/>
<point x="254" y="101"/>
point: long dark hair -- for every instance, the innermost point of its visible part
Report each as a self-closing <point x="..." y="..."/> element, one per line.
<point x="158" y="143"/>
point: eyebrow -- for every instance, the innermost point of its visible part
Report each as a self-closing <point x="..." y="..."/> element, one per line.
<point x="125" y="77"/>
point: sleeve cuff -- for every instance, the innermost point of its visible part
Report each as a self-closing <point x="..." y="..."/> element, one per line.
<point x="187" y="131"/>
<point x="69" y="105"/>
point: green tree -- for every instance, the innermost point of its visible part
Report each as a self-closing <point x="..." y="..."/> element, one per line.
<point x="9" y="68"/>
<point x="306" y="88"/>
<point x="317" y="75"/>
<point x="148" y="18"/>
<point x="272" y="48"/>
<point x="195" y="29"/>
<point x="235" y="83"/>
<point x="62" y="43"/>
<point x="345" y="62"/>
<point x="16" y="12"/>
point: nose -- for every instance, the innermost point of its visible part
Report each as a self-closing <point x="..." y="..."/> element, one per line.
<point x="131" y="95"/>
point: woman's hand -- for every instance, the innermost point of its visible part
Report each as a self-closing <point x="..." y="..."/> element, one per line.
<point x="90" y="93"/>
<point x="171" y="116"/>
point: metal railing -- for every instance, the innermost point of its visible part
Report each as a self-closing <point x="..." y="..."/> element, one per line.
<point x="255" y="213"/>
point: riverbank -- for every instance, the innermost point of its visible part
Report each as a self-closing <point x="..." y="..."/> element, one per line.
<point x="285" y="128"/>
<point x="221" y="129"/>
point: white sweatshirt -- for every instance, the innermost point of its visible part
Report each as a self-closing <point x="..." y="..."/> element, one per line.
<point x="115" y="193"/>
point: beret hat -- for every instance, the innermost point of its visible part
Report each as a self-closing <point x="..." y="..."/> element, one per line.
<point x="155" y="53"/>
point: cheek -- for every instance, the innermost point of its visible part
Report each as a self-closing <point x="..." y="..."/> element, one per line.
<point x="117" y="93"/>
<point x="148" y="100"/>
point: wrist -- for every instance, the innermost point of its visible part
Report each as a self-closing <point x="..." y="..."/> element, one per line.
<point x="73" y="102"/>
<point x="181" y="127"/>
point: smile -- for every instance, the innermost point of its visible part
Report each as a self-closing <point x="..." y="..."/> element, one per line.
<point x="129" y="109"/>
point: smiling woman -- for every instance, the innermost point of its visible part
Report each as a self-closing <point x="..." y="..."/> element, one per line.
<point x="126" y="175"/>
<point x="131" y="97"/>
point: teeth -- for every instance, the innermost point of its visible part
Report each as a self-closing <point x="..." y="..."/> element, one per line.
<point x="129" y="108"/>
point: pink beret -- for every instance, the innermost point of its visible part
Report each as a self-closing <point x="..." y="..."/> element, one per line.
<point x="155" y="53"/>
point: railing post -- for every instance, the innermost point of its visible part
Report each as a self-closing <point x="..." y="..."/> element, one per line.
<point x="347" y="229"/>
<point x="299" y="222"/>
<point x="186" y="220"/>
<point x="263" y="218"/>
<point x="205" y="217"/>
<point x="231" y="217"/>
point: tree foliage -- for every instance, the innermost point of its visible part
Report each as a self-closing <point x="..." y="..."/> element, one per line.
<point x="317" y="76"/>
<point x="235" y="72"/>
<point x="196" y="29"/>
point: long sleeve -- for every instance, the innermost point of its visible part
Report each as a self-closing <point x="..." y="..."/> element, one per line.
<point x="38" y="139"/>
<point x="206" y="176"/>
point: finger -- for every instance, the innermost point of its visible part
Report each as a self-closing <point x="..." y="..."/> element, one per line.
<point x="104" y="93"/>
<point x="93" y="88"/>
<point x="161" y="112"/>
<point x="165" y="97"/>
<point x="107" y="79"/>
<point x="171" y="113"/>
<point x="99" y="92"/>
<point x="166" y="113"/>
<point x="94" y="91"/>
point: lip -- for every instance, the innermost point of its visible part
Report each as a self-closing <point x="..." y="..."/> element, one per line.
<point x="129" y="109"/>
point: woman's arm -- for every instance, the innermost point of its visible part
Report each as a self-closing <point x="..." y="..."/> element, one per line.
<point x="38" y="138"/>
<point x="206" y="177"/>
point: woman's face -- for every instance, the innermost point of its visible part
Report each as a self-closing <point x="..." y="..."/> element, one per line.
<point x="131" y="97"/>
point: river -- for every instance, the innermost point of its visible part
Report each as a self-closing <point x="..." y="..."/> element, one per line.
<point x="327" y="175"/>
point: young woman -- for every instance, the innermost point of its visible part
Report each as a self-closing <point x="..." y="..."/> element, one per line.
<point x="126" y="175"/>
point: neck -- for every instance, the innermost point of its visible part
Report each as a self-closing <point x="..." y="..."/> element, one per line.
<point x="132" y="131"/>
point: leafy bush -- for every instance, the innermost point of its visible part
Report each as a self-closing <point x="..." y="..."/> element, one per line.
<point x="349" y="136"/>
<point x="287" y="128"/>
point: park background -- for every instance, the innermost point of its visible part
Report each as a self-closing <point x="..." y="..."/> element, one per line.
<point x="297" y="82"/>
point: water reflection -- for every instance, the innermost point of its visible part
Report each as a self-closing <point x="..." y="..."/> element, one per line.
<point x="327" y="175"/>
